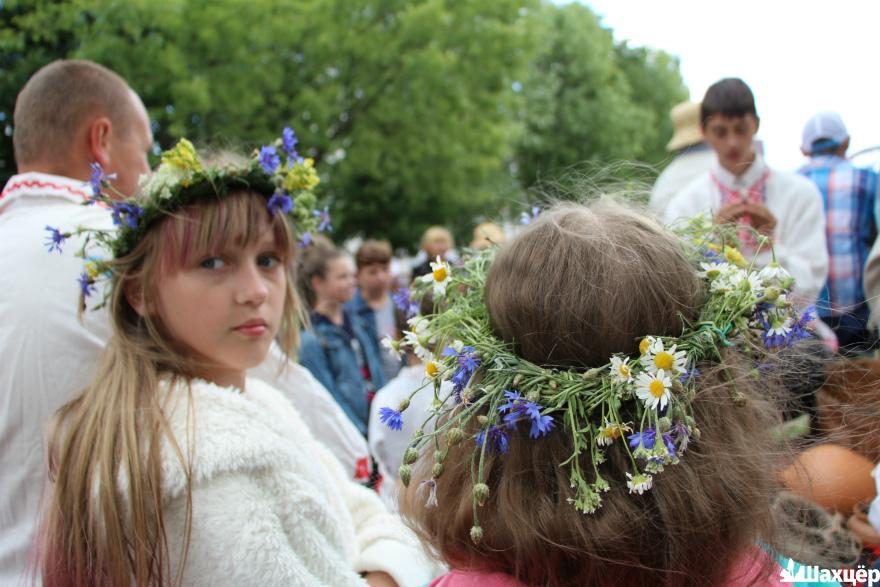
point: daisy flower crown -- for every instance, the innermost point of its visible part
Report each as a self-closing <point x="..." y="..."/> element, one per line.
<point x="642" y="402"/>
<point x="276" y="170"/>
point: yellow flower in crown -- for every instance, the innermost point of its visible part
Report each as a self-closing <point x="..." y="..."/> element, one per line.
<point x="183" y="157"/>
<point x="302" y="176"/>
<point x="734" y="256"/>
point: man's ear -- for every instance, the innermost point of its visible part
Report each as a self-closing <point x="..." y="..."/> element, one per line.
<point x="98" y="136"/>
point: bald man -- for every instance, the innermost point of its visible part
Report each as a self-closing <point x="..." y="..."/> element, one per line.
<point x="69" y="115"/>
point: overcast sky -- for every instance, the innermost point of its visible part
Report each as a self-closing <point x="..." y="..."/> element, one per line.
<point x="798" y="58"/>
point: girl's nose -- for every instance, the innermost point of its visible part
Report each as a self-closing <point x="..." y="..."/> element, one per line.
<point x="250" y="285"/>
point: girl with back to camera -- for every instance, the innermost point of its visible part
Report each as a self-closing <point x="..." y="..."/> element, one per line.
<point x="173" y="467"/>
<point x="605" y="425"/>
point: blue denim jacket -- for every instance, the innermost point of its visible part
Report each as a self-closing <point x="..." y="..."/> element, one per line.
<point x="326" y="352"/>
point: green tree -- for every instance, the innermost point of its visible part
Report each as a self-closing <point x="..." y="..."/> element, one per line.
<point x="589" y="99"/>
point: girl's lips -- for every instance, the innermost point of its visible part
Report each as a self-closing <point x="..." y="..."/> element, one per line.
<point x="252" y="330"/>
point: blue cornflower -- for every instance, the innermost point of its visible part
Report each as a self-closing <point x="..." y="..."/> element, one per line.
<point x="405" y="303"/>
<point x="280" y="201"/>
<point x="306" y="240"/>
<point x="55" y="239"/>
<point x="799" y="329"/>
<point x="126" y="213"/>
<point x="86" y="284"/>
<point x="269" y="159"/>
<point x="497" y="439"/>
<point x="324" y="216"/>
<point x="518" y="410"/>
<point x="688" y="375"/>
<point x="98" y="178"/>
<point x="289" y="143"/>
<point x="682" y="435"/>
<point x="391" y="418"/>
<point x="645" y="438"/>
<point x="527" y="218"/>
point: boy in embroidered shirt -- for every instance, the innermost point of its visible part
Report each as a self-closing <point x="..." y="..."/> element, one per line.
<point x="742" y="189"/>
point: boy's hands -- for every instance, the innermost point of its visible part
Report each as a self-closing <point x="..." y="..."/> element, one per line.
<point x="760" y="217"/>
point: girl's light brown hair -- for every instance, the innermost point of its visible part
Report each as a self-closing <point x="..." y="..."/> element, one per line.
<point x="581" y="283"/>
<point x="103" y="522"/>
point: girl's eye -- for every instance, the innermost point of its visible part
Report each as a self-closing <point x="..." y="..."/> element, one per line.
<point x="268" y="261"/>
<point x="212" y="263"/>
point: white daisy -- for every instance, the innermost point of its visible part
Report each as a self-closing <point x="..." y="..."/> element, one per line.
<point x="439" y="276"/>
<point x="660" y="358"/>
<point x="620" y="369"/>
<point x="773" y="272"/>
<point x="419" y="338"/>
<point x="393" y="346"/>
<point x="653" y="389"/>
<point x="639" y="483"/>
<point x="610" y="432"/>
<point x="647" y="344"/>
<point x="747" y="282"/>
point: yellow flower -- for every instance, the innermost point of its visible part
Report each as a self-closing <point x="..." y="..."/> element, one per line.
<point x="184" y="157"/>
<point x="301" y="176"/>
<point x="646" y="344"/>
<point x="431" y="369"/>
<point x="610" y="432"/>
<point x="92" y="269"/>
<point x="734" y="256"/>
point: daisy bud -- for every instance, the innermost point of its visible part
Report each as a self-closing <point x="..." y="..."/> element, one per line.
<point x="481" y="493"/>
<point x="553" y="384"/>
<point x="533" y="396"/>
<point x="483" y="420"/>
<point x="592" y="373"/>
<point x="438" y="456"/>
<point x="664" y="424"/>
<point x="771" y="294"/>
<point x="410" y="456"/>
<point x="476" y="534"/>
<point x="405" y="472"/>
<point x="517" y="380"/>
<point x="438" y="469"/>
<point x="454" y="436"/>
<point x="739" y="400"/>
<point x="695" y="432"/>
<point x="403" y="404"/>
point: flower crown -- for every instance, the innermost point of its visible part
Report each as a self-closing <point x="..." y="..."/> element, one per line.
<point x="501" y="391"/>
<point x="182" y="179"/>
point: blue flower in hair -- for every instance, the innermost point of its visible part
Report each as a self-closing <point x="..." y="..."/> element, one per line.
<point x="306" y="240"/>
<point x="98" y="178"/>
<point x="391" y="418"/>
<point x="125" y="213"/>
<point x="86" y="284"/>
<point x="405" y="303"/>
<point x="324" y="218"/>
<point x="55" y="239"/>
<point x="288" y="144"/>
<point x="497" y="439"/>
<point x="280" y="201"/>
<point x="269" y="159"/>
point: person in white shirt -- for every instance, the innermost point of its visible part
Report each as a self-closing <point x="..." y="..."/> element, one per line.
<point x="741" y="188"/>
<point x="693" y="156"/>
<point x="68" y="116"/>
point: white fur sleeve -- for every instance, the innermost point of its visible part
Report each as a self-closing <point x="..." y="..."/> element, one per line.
<point x="383" y="542"/>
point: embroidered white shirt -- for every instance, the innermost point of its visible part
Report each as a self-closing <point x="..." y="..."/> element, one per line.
<point x="799" y="236"/>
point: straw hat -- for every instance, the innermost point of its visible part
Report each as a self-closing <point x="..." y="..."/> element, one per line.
<point x="686" y="122"/>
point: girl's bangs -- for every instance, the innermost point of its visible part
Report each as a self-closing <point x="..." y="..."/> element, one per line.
<point x="207" y="228"/>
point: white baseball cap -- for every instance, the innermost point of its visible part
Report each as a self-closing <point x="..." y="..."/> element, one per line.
<point x="827" y="127"/>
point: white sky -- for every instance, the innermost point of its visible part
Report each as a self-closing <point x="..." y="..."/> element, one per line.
<point x="798" y="58"/>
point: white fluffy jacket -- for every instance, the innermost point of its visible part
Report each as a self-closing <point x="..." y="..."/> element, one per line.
<point x="270" y="506"/>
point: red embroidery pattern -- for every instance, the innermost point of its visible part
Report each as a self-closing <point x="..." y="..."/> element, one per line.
<point x="35" y="183"/>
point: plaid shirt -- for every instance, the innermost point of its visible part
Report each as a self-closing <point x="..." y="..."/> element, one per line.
<point x="849" y="195"/>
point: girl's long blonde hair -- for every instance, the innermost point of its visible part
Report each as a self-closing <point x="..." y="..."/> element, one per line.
<point x="103" y="522"/>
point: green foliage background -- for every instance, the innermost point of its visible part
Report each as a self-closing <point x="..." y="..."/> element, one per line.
<point x="417" y="112"/>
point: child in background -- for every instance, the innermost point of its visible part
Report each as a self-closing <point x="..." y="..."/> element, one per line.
<point x="437" y="242"/>
<point x="338" y="348"/>
<point x="548" y="464"/>
<point x="173" y="467"/>
<point x="372" y="300"/>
